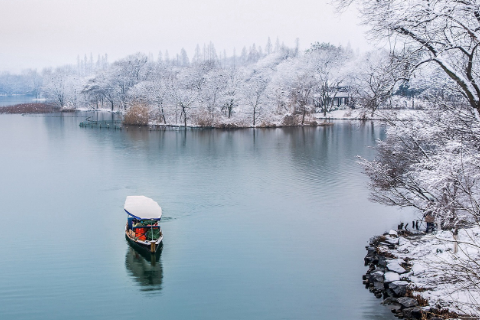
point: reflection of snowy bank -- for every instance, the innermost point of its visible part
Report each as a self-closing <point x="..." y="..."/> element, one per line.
<point x="422" y="275"/>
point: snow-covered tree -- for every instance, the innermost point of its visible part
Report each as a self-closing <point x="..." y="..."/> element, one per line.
<point x="376" y="79"/>
<point x="268" y="47"/>
<point x="62" y="86"/>
<point x="326" y="62"/>
<point x="294" y="84"/>
<point x="185" y="88"/>
<point x="230" y="97"/>
<point x="215" y="82"/>
<point x="441" y="32"/>
<point x="184" y="61"/>
<point x="430" y="159"/>
<point x="253" y="91"/>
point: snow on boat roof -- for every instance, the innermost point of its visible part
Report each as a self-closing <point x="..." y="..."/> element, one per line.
<point x="141" y="207"/>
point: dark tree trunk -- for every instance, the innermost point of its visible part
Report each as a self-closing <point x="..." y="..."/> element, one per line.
<point x="303" y="114"/>
<point x="184" y="112"/>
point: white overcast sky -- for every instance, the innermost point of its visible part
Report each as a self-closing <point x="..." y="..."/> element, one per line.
<point x="43" y="33"/>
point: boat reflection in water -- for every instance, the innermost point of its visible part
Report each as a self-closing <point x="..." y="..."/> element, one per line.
<point x="145" y="268"/>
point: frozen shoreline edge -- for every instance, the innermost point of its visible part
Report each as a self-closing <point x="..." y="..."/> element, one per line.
<point x="398" y="275"/>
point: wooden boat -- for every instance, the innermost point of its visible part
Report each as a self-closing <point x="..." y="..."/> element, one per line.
<point x="142" y="229"/>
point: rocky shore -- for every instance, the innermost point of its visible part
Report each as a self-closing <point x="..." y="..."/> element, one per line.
<point x="393" y="276"/>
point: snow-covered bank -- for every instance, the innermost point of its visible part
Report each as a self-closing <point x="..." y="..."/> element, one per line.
<point x="279" y="121"/>
<point x="347" y="114"/>
<point x="289" y="120"/>
<point x="364" y="114"/>
<point x="426" y="276"/>
<point x="236" y="125"/>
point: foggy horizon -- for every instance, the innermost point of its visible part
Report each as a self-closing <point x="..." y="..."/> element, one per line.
<point x="52" y="33"/>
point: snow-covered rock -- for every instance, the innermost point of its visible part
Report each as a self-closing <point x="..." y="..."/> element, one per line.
<point x="403" y="242"/>
<point x="392" y="241"/>
<point x="377" y="276"/>
<point x="396" y="267"/>
<point x="436" y="264"/>
<point x="393" y="233"/>
<point x="418" y="269"/>
<point x="391" y="276"/>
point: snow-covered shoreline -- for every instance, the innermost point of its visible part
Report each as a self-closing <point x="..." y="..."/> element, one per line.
<point x="287" y="120"/>
<point x="425" y="276"/>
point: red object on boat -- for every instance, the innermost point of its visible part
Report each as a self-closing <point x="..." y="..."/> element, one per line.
<point x="140" y="233"/>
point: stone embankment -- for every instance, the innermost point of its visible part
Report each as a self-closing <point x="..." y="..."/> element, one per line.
<point x="388" y="278"/>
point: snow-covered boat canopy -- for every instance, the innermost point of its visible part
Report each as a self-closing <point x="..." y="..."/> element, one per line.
<point x="141" y="207"/>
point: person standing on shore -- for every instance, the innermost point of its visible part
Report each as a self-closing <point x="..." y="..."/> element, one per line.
<point x="430" y="220"/>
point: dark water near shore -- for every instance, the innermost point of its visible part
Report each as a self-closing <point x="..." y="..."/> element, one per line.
<point x="258" y="224"/>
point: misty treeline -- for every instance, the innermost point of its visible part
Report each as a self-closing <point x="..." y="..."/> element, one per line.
<point x="430" y="159"/>
<point x="28" y="82"/>
<point x="256" y="87"/>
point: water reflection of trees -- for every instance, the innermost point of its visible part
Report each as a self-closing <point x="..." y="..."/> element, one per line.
<point x="329" y="149"/>
<point x="145" y="268"/>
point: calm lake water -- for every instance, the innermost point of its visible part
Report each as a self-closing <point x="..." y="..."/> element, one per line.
<point x="258" y="224"/>
<point x="12" y="100"/>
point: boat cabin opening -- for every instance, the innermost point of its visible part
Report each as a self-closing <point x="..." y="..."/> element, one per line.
<point x="143" y="229"/>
